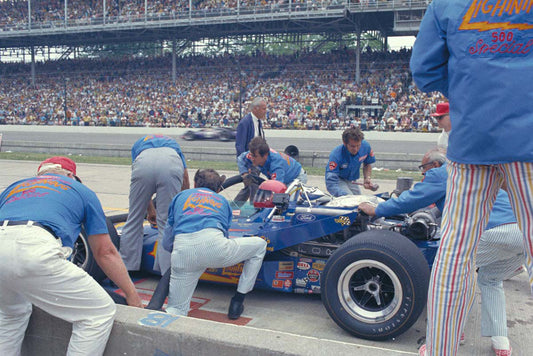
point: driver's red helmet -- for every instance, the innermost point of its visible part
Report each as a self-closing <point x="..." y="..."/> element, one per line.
<point x="265" y="192"/>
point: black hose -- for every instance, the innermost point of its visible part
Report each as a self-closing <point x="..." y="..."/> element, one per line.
<point x="160" y="292"/>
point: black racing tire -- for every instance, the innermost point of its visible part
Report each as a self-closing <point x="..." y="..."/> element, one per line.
<point x="375" y="285"/>
<point x="188" y="137"/>
<point x="82" y="255"/>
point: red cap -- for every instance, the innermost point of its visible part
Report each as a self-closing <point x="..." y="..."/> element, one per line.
<point x="58" y="162"/>
<point x="442" y="109"/>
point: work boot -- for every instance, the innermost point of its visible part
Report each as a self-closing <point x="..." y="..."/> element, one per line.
<point x="235" y="309"/>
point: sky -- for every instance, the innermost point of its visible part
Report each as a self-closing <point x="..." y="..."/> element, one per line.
<point x="398" y="42"/>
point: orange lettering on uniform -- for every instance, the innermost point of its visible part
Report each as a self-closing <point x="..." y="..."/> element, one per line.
<point x="486" y="8"/>
<point x="475" y="6"/>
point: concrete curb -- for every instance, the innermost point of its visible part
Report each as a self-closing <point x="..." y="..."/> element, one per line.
<point x="145" y="332"/>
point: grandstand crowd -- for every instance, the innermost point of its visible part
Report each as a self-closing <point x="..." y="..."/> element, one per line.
<point x="51" y="13"/>
<point x="305" y="91"/>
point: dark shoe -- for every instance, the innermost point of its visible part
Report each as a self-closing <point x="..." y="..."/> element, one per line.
<point x="235" y="309"/>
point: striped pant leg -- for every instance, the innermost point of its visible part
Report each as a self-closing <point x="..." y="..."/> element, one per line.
<point x="500" y="253"/>
<point x="519" y="179"/>
<point x="470" y="195"/>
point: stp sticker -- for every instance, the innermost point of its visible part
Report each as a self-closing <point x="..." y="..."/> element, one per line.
<point x="332" y="165"/>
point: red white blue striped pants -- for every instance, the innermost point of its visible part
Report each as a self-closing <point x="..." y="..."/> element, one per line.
<point x="470" y="195"/>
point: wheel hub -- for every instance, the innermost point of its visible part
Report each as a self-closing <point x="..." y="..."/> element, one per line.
<point x="370" y="291"/>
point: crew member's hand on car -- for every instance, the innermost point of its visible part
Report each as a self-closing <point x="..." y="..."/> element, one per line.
<point x="369" y="185"/>
<point x="247" y="179"/>
<point x="151" y="213"/>
<point x="367" y="208"/>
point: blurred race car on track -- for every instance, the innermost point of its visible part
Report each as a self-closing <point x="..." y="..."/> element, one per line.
<point x="372" y="274"/>
<point x="210" y="133"/>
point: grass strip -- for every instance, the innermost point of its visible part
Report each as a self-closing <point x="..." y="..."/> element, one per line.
<point x="377" y="173"/>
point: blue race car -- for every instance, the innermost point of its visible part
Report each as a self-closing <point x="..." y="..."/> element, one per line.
<point x="372" y="274"/>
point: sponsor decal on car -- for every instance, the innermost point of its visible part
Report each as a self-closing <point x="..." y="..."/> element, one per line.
<point x="313" y="275"/>
<point x="286" y="266"/>
<point x="287" y="283"/>
<point x="302" y="291"/>
<point x="315" y="289"/>
<point x="301" y="282"/>
<point x="276" y="283"/>
<point x="278" y="218"/>
<point x="305" y="217"/>
<point x="303" y="266"/>
<point x="343" y="220"/>
<point x="319" y="265"/>
<point x="284" y="275"/>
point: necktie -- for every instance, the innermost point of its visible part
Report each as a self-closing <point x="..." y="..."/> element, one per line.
<point x="261" y="132"/>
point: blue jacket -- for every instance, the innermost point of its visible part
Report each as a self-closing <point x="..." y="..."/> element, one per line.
<point x="193" y="210"/>
<point x="479" y="54"/>
<point x="245" y="133"/>
<point x="433" y="190"/>
<point x="278" y="166"/>
<point x="343" y="165"/>
<point x="55" y="201"/>
<point x="155" y="141"/>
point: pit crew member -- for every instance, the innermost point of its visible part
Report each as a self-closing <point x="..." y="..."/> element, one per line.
<point x="40" y="219"/>
<point x="274" y="165"/>
<point x="158" y="167"/>
<point x="197" y="235"/>
<point x="342" y="171"/>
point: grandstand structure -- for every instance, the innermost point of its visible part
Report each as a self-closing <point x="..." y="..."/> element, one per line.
<point x="315" y="87"/>
<point x="190" y="22"/>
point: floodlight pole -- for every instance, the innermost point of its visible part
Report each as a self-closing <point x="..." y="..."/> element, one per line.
<point x="65" y="100"/>
<point x="29" y="14"/>
<point x="66" y="22"/>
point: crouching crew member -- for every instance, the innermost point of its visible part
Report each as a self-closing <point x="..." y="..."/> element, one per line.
<point x="197" y="234"/>
<point x="342" y="171"/>
<point x="40" y="219"/>
<point x="274" y="165"/>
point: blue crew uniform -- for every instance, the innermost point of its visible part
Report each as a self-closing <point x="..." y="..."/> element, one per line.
<point x="57" y="202"/>
<point x="197" y="235"/>
<point x="343" y="168"/>
<point x="158" y="167"/>
<point x="278" y="166"/>
<point x="40" y="219"/>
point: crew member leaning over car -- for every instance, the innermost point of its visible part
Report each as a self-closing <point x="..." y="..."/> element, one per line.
<point x="197" y="235"/>
<point x="500" y="254"/>
<point x="274" y="165"/>
<point x="40" y="219"/>
<point x="342" y="171"/>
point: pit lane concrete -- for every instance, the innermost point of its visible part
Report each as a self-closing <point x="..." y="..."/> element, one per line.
<point x="273" y="323"/>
